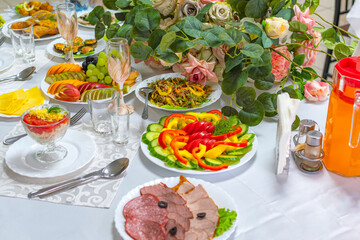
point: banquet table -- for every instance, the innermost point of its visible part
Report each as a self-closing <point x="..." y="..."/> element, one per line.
<point x="321" y="206"/>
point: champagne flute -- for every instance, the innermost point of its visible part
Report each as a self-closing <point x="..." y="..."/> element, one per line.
<point x="118" y="61"/>
<point x="68" y="26"/>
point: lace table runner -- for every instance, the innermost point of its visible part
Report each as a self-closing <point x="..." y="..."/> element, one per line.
<point x="99" y="193"/>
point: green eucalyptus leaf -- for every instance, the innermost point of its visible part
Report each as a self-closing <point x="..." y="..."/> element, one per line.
<point x="330" y="35"/>
<point x="256" y="8"/>
<point x="107" y="18"/>
<point x="299" y="59"/>
<point x="138" y="35"/>
<point x="265" y="84"/>
<point x="252" y="28"/>
<point x="292" y="93"/>
<point x="230" y="36"/>
<point x="296" y="26"/>
<point x="252" y="114"/>
<point x="169" y="57"/>
<point x="342" y="51"/>
<point x="276" y="6"/>
<point x="146" y="2"/>
<point x="110" y="4"/>
<point x="263" y="60"/>
<point x="204" y="11"/>
<point x="124" y="31"/>
<point x="266" y="41"/>
<point x="258" y="73"/>
<point x="181" y="45"/>
<point x="155" y="38"/>
<point x="140" y="51"/>
<point x="167" y="40"/>
<point x="99" y="30"/>
<point x="211" y="36"/>
<point x="191" y="26"/>
<point x="240" y="7"/>
<point x="233" y="80"/>
<point x="286" y="14"/>
<point x="112" y="30"/>
<point x="269" y="101"/>
<point x="252" y="50"/>
<point x="95" y="15"/>
<point x="130" y="16"/>
<point x="301" y="37"/>
<point x="246" y="37"/>
<point x="245" y="95"/>
<point x="147" y="19"/>
<point x="123" y="4"/>
<point x="120" y="16"/>
<point x="229" y="111"/>
<point x="295" y="124"/>
<point x="230" y="63"/>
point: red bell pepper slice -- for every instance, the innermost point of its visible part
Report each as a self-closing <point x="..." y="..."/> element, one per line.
<point x="232" y="144"/>
<point x="179" y="115"/>
<point x="199" y="126"/>
<point x="204" y="165"/>
<point x="163" y="134"/>
<point x="216" y="112"/>
<point x="226" y="135"/>
<point x="176" y="150"/>
<point x="199" y="135"/>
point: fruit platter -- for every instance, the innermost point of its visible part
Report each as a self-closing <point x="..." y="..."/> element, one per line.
<point x="199" y="143"/>
<point x="69" y="82"/>
<point x="171" y="87"/>
<point x="83" y="46"/>
<point x="169" y="208"/>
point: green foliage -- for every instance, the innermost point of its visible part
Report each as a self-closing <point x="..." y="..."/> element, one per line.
<point x="96" y="15"/>
<point x="229" y="111"/>
<point x="269" y="101"/>
<point x="140" y="51"/>
<point x="230" y="36"/>
<point x="256" y="8"/>
<point x="234" y="79"/>
<point x="204" y="11"/>
<point x="147" y="19"/>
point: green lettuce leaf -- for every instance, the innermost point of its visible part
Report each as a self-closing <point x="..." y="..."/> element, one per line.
<point x="227" y="217"/>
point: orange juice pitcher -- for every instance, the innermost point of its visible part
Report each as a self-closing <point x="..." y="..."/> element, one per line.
<point x="342" y="133"/>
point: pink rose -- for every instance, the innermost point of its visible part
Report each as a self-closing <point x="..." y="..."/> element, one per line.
<point x="316" y="91"/>
<point x="304" y="17"/>
<point x="198" y="71"/>
<point x="209" y="1"/>
<point x="280" y="64"/>
<point x="219" y="55"/>
<point x="310" y="55"/>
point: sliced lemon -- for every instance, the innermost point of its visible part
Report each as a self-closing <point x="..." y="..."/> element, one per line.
<point x="26" y="8"/>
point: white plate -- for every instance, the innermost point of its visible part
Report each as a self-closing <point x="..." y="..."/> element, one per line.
<point x="5" y="30"/>
<point x="44" y="87"/>
<point x="214" y="96"/>
<point x="220" y="197"/>
<point x="6" y="60"/>
<point x="20" y="156"/>
<point x="101" y="44"/>
<point x="16" y="116"/>
<point x="247" y="157"/>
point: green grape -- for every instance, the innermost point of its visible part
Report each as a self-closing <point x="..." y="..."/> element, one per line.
<point x="89" y="73"/>
<point x="108" y="80"/>
<point x="102" y="55"/>
<point x="93" y="79"/>
<point x="91" y="66"/>
<point x="98" y="65"/>
<point x="104" y="70"/>
<point x="101" y="62"/>
<point x="100" y="76"/>
<point x="102" y="81"/>
<point x="114" y="52"/>
<point x="95" y="72"/>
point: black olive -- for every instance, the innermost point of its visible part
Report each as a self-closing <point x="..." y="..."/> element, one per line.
<point x="162" y="204"/>
<point x="173" y="231"/>
<point x="201" y="215"/>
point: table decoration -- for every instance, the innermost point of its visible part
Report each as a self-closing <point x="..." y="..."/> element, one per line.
<point x="266" y="41"/>
<point x="97" y="194"/>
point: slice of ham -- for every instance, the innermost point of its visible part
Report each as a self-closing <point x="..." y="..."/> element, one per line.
<point x="177" y="209"/>
<point x="144" y="219"/>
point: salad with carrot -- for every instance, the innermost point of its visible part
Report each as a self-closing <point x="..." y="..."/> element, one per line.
<point x="199" y="141"/>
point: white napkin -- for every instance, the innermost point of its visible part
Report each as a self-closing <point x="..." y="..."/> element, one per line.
<point x="287" y="109"/>
<point x="353" y="18"/>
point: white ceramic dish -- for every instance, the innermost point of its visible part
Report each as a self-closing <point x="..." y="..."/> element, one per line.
<point x="220" y="197"/>
<point x="16" y="116"/>
<point x="20" y="156"/>
<point x="44" y="87"/>
<point x="214" y="96"/>
<point x="247" y="157"/>
<point x="6" y="60"/>
<point x="101" y="44"/>
<point x="5" y="30"/>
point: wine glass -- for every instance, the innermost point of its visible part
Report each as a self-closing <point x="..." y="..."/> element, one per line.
<point x="118" y="61"/>
<point x="68" y="26"/>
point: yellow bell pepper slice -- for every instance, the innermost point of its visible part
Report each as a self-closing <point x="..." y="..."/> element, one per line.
<point x="163" y="93"/>
<point x="216" y="151"/>
<point x="186" y="154"/>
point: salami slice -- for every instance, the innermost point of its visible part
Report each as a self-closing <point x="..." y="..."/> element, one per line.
<point x="144" y="230"/>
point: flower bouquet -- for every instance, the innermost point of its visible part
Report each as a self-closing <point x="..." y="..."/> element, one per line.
<point x="268" y="41"/>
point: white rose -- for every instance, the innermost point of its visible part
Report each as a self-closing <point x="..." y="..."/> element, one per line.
<point x="165" y="7"/>
<point x="276" y="27"/>
<point x="220" y="12"/>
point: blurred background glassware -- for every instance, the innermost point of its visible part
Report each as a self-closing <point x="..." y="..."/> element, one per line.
<point x="27" y="43"/>
<point x="80" y="5"/>
<point x="101" y="101"/>
<point x="16" y="30"/>
<point x="48" y="134"/>
<point x="120" y="124"/>
<point x="118" y="61"/>
<point x="68" y="26"/>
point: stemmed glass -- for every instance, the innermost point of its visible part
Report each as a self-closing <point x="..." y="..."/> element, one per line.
<point x="118" y="61"/>
<point x="68" y="26"/>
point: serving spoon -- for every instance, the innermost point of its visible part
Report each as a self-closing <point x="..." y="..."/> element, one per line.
<point x="147" y="91"/>
<point x="111" y="171"/>
<point x="21" y="76"/>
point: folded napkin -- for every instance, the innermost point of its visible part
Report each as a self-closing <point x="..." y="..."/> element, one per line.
<point x="353" y="18"/>
<point x="287" y="108"/>
<point x="99" y="193"/>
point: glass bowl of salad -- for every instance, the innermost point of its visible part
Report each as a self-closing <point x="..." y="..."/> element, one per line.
<point x="47" y="124"/>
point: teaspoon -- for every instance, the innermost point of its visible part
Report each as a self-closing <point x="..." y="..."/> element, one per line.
<point x="147" y="91"/>
<point x="21" y="76"/>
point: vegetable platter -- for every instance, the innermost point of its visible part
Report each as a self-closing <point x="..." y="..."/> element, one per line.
<point x="212" y="98"/>
<point x="199" y="143"/>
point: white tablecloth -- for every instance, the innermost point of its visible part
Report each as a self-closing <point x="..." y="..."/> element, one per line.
<point x="322" y="207"/>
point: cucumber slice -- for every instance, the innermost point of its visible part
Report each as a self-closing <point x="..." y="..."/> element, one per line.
<point x="149" y="136"/>
<point x="244" y="128"/>
<point x="189" y="165"/>
<point x="213" y="162"/>
<point x="239" y="151"/>
<point x="160" y="153"/>
<point x="154" y="127"/>
<point x="229" y="158"/>
<point x="162" y="120"/>
<point x="154" y="143"/>
<point x="249" y="136"/>
<point x="171" y="160"/>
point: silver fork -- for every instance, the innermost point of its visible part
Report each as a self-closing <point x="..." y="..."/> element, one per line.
<point x="73" y="120"/>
